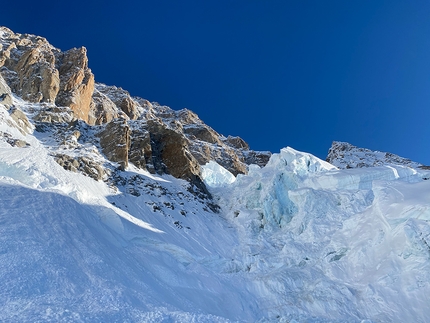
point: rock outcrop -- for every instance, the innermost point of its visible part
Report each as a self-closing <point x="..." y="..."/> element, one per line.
<point x="76" y="82"/>
<point x="39" y="72"/>
<point x="5" y="93"/>
<point x="21" y="121"/>
<point x="122" y="100"/>
<point x="129" y="129"/>
<point x="202" y="133"/>
<point x="39" y="80"/>
<point x="55" y="115"/>
<point x="115" y="142"/>
<point x="206" y="144"/>
<point x="260" y="158"/>
<point x="81" y="164"/>
<point x="140" y="153"/>
<point x="236" y="142"/>
<point x="102" y="109"/>
<point x="344" y="155"/>
<point x="170" y="152"/>
<point x="29" y="66"/>
<point x="4" y="136"/>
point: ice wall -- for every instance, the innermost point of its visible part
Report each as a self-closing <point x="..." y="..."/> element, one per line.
<point x="340" y="245"/>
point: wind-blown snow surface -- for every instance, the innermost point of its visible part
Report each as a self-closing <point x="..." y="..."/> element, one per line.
<point x="75" y="250"/>
<point x="295" y="241"/>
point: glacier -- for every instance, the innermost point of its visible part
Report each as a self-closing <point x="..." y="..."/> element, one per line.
<point x="337" y="245"/>
<point x="298" y="240"/>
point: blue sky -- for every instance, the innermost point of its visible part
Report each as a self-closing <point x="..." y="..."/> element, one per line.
<point x="276" y="73"/>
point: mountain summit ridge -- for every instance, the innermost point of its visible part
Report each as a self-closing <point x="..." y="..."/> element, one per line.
<point x="345" y="155"/>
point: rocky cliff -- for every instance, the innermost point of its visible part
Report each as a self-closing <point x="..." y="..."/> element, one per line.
<point x="122" y="128"/>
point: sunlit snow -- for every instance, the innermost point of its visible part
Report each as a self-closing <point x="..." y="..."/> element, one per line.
<point x="296" y="241"/>
<point x="214" y="175"/>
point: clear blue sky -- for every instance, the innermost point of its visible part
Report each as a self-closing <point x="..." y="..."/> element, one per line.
<point x="276" y="73"/>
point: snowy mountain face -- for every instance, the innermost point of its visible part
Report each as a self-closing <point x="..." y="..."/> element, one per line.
<point x="114" y="209"/>
<point x="344" y="156"/>
<point x="126" y="129"/>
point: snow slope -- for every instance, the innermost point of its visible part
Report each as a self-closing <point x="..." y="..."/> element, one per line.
<point x="296" y="241"/>
<point x="73" y="249"/>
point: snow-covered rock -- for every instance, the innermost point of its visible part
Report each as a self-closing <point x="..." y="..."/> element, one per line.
<point x="345" y="155"/>
<point x="36" y="71"/>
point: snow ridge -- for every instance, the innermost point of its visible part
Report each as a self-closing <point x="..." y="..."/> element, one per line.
<point x="344" y="155"/>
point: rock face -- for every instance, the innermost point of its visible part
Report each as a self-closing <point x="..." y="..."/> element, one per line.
<point x="344" y="155"/>
<point x="236" y="142"/>
<point x="38" y="78"/>
<point x="5" y="93"/>
<point x="32" y="59"/>
<point x="174" y="142"/>
<point x="260" y="158"/>
<point x="126" y="105"/>
<point x="130" y="129"/>
<point x="140" y="153"/>
<point x="76" y="82"/>
<point x="170" y="152"/>
<point x="115" y="142"/>
<point x="39" y="72"/>
<point x="102" y="109"/>
<point x="206" y="144"/>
